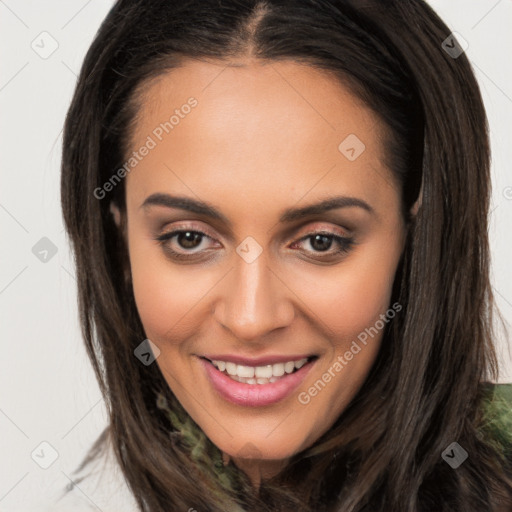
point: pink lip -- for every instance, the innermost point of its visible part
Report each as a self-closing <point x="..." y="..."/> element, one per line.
<point x="255" y="395"/>
<point x="258" y="361"/>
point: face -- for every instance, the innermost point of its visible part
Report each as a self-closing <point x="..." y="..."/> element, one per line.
<point x="251" y="268"/>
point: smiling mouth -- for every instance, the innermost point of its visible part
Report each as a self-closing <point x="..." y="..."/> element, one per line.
<point x="264" y="374"/>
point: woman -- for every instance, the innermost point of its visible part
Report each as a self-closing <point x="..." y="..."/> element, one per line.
<point x="279" y="215"/>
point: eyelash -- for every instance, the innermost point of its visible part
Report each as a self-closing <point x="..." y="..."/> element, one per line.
<point x="344" y="243"/>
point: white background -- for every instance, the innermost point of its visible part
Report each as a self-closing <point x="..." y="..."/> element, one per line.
<point x="48" y="391"/>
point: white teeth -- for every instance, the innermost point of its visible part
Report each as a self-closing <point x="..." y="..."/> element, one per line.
<point x="264" y="372"/>
<point x="231" y="368"/>
<point x="245" y="371"/>
<point x="258" y="374"/>
<point x="278" y="370"/>
<point x="301" y="363"/>
<point x="288" y="367"/>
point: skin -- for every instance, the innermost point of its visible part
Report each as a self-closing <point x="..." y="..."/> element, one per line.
<point x="263" y="137"/>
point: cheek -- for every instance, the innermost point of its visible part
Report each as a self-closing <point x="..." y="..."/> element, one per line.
<point x="165" y="295"/>
<point x="352" y="296"/>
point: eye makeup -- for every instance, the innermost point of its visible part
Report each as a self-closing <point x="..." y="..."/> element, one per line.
<point x="183" y="243"/>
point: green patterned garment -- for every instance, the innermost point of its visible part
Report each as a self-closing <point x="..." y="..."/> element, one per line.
<point x="496" y="427"/>
<point x="497" y="407"/>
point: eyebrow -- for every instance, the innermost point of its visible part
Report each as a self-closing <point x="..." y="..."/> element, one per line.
<point x="289" y="215"/>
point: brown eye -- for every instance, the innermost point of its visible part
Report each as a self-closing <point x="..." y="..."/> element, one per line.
<point x="183" y="243"/>
<point x="322" y="242"/>
<point x="188" y="239"/>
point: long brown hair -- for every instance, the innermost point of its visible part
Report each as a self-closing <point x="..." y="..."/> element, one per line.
<point x="383" y="454"/>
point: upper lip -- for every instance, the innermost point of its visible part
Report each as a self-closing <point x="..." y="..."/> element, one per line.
<point x="257" y="361"/>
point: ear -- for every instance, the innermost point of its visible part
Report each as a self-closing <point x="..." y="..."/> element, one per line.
<point x="119" y="218"/>
<point x="114" y="210"/>
<point x="416" y="206"/>
<point x="120" y="221"/>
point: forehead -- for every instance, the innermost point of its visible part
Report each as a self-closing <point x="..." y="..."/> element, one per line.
<point x="258" y="130"/>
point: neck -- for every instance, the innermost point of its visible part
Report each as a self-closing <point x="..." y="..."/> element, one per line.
<point x="258" y="469"/>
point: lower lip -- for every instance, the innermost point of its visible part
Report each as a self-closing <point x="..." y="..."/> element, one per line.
<point x="255" y="395"/>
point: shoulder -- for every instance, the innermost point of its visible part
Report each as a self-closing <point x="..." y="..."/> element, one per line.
<point x="101" y="486"/>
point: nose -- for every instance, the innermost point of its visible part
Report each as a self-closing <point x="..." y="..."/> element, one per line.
<point x="254" y="301"/>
